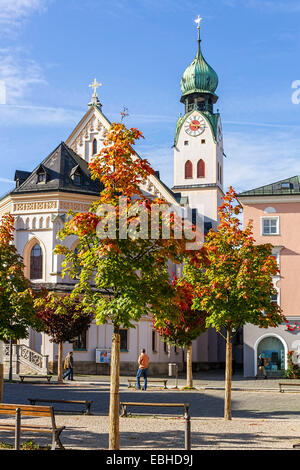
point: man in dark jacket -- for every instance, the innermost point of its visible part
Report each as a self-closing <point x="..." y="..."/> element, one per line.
<point x="68" y="366"/>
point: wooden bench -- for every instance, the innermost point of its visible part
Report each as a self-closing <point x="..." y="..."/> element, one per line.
<point x="286" y="384"/>
<point x="186" y="406"/>
<point x="33" y="376"/>
<point x="35" y="411"/>
<point x="87" y="403"/>
<point x="164" y="381"/>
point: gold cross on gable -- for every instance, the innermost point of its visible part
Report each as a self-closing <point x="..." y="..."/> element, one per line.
<point x="95" y="85"/>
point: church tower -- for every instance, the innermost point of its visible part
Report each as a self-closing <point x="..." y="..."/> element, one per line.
<point x="198" y="146"/>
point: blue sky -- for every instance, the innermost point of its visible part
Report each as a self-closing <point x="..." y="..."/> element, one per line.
<point x="51" y="50"/>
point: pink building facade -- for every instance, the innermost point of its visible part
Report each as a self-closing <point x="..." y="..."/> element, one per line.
<point x="274" y="210"/>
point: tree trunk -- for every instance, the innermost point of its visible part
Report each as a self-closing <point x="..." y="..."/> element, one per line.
<point x="189" y="370"/>
<point x="228" y="376"/>
<point x="60" y="363"/>
<point x="114" y="392"/>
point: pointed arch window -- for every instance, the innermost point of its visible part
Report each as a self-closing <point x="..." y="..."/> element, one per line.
<point x="94" y="146"/>
<point x="188" y="170"/>
<point x="36" y="262"/>
<point x="201" y="169"/>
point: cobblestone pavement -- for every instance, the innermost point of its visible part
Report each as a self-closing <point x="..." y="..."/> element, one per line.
<point x="263" y="418"/>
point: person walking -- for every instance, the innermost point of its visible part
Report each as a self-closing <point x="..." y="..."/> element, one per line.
<point x="261" y="366"/>
<point x="142" y="370"/>
<point x="68" y="366"/>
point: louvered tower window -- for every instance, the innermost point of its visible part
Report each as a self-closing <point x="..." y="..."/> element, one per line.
<point x="188" y="170"/>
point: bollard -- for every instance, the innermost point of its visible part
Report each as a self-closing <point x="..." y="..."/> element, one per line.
<point x="187" y="433"/>
<point x="18" y="429"/>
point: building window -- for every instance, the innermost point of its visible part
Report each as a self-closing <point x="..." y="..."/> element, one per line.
<point x="186" y="142"/>
<point x="153" y="341"/>
<point x="76" y="175"/>
<point x="77" y="179"/>
<point x="123" y="340"/>
<point x="276" y="255"/>
<point x="269" y="210"/>
<point x="201" y="169"/>
<point x="94" y="146"/>
<point x="80" y="343"/>
<point x="220" y="177"/>
<point x="202" y="141"/>
<point x="41" y="177"/>
<point x="274" y="298"/>
<point x="286" y="185"/>
<point x="270" y="226"/>
<point x="36" y="262"/>
<point x="165" y="347"/>
<point x="188" y="170"/>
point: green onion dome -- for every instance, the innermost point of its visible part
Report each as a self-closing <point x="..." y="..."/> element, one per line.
<point x="199" y="77"/>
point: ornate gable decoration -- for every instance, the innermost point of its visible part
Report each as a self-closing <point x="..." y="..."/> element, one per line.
<point x="93" y="126"/>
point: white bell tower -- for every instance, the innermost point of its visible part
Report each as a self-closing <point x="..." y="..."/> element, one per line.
<point x="198" y="146"/>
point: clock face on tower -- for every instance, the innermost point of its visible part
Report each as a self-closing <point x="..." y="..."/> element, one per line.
<point x="194" y="125"/>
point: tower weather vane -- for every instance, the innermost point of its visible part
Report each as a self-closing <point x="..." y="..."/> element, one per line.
<point x="95" y="85"/>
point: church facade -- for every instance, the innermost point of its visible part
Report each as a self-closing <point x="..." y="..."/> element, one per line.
<point x="61" y="182"/>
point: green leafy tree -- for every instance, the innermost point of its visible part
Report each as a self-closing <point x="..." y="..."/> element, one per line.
<point x="120" y="277"/>
<point x="232" y="280"/>
<point x="62" y="318"/>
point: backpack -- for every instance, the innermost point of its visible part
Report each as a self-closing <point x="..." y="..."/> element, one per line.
<point x="66" y="362"/>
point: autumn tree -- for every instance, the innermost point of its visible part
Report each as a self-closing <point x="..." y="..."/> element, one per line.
<point x="63" y="319"/>
<point x="232" y="280"/>
<point x="183" y="325"/>
<point x="120" y="264"/>
<point x="16" y="296"/>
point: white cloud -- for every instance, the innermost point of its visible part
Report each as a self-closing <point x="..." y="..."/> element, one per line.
<point x="285" y="6"/>
<point x="38" y="116"/>
<point x="259" y="158"/>
<point x="19" y="73"/>
<point x="14" y="12"/>
<point x="6" y="180"/>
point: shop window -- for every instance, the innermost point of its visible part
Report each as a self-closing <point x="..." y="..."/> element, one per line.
<point x="272" y="350"/>
<point x="124" y="340"/>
